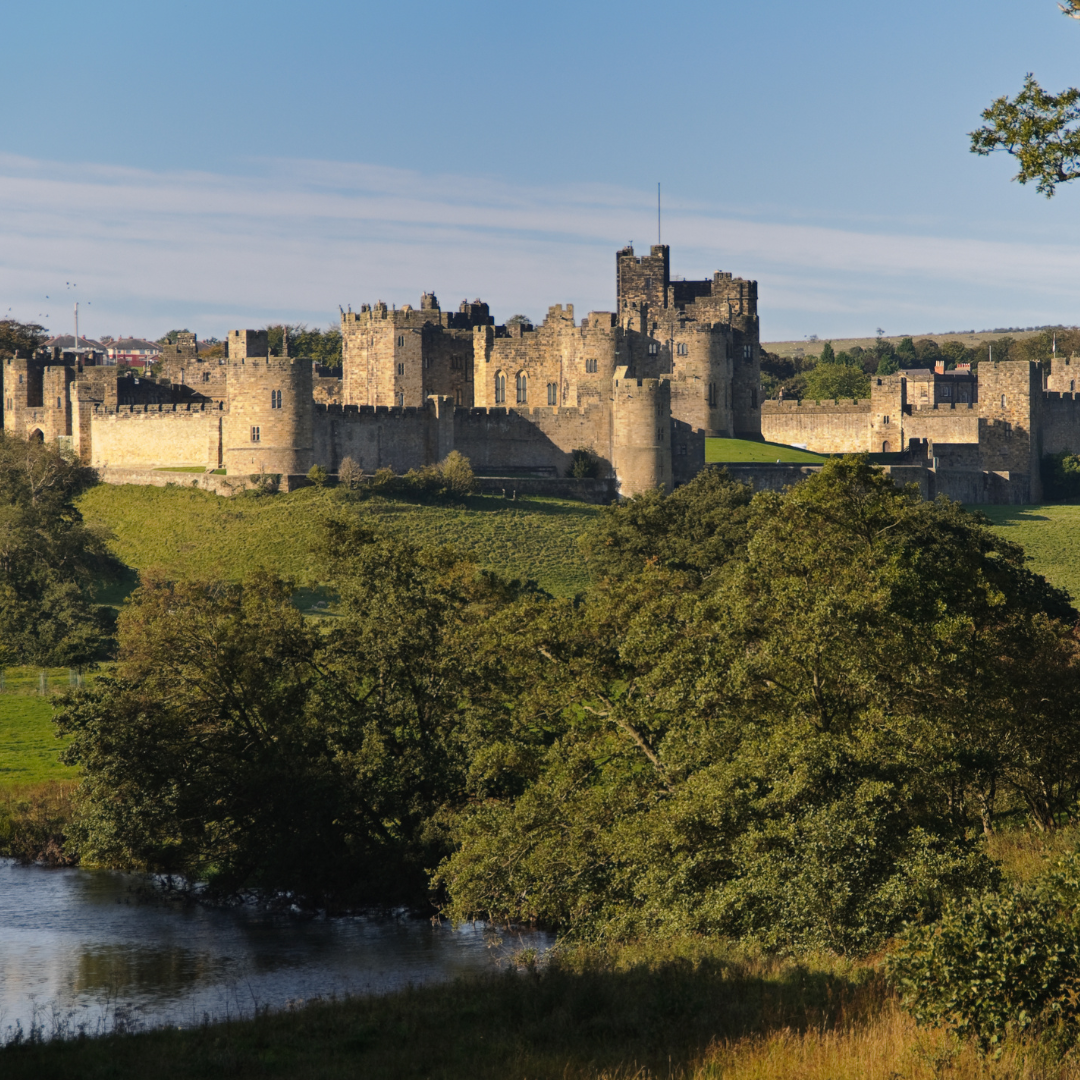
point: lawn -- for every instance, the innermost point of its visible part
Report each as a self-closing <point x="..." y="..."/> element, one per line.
<point x="750" y="450"/>
<point x="1050" y="536"/>
<point x="29" y="748"/>
<point x="188" y="533"/>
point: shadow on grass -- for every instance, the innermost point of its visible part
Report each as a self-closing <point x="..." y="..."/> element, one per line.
<point x="1008" y="515"/>
<point x="653" y="1019"/>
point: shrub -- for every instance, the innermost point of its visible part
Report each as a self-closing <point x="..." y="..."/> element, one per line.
<point x="999" y="965"/>
<point x="317" y="475"/>
<point x="457" y="474"/>
<point x="584" y="464"/>
<point x="350" y="475"/>
<point x="1061" y="476"/>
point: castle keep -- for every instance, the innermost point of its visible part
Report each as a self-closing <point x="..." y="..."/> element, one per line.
<point x="639" y="388"/>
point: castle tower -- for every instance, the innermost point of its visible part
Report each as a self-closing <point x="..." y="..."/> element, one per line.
<point x="641" y="433"/>
<point x="1010" y="438"/>
<point x="888" y="399"/>
<point x="268" y="425"/>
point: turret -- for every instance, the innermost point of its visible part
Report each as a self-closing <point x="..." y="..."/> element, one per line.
<point x="641" y="433"/>
<point x="268" y="426"/>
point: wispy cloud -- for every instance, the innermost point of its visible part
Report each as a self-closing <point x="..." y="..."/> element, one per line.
<point x="293" y="239"/>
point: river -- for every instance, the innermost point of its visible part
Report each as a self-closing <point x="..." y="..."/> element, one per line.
<point x="85" y="950"/>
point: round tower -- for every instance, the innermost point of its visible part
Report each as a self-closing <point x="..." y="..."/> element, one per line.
<point x="641" y="433"/>
<point x="268" y="425"/>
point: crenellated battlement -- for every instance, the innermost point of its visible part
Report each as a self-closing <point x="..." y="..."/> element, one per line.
<point x="182" y="408"/>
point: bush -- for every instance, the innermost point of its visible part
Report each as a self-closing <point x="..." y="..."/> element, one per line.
<point x="999" y="965"/>
<point x="584" y="464"/>
<point x="350" y="475"/>
<point x="1061" y="476"/>
<point x="457" y="474"/>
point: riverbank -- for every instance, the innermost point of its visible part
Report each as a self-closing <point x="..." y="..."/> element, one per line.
<point x="694" y="1010"/>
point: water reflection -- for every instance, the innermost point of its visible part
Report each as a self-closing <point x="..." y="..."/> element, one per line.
<point x="80" y="948"/>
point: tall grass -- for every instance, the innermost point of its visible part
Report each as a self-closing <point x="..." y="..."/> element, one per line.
<point x="696" y="1011"/>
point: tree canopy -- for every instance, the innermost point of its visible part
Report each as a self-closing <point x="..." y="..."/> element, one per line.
<point x="786" y="717"/>
<point x="50" y="560"/>
<point x="1040" y="129"/>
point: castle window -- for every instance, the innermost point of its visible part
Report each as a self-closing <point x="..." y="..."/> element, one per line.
<point x="648" y="283"/>
<point x="590" y="367"/>
<point x="653" y="348"/>
<point x="522" y="388"/>
<point x="401" y="341"/>
<point x="20" y="380"/>
<point x="553" y="393"/>
<point x="457" y="397"/>
<point x="748" y="352"/>
<point x="659" y="434"/>
<point x="1072" y="386"/>
<point x="401" y="400"/>
<point x="946" y="391"/>
<point x="206" y="376"/>
<point x="455" y="363"/>
<point x="500" y="388"/>
<point x="682" y="349"/>
<point x="401" y="369"/>
<point x="884" y="419"/>
<point x="275" y="399"/>
<point x="58" y="405"/>
<point x="1003" y="401"/>
<point x="753" y="397"/>
<point x="254" y="434"/>
<point x="712" y="395"/>
<point x="1008" y="430"/>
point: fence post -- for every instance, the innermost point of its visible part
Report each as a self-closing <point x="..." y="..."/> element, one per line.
<point x="43" y="683"/>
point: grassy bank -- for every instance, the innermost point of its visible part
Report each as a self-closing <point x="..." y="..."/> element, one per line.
<point x="1049" y="534"/>
<point x="691" y="1011"/>
<point x="190" y="533"/>
<point x="750" y="450"/>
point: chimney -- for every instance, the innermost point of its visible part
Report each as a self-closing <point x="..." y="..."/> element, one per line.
<point x="939" y="367"/>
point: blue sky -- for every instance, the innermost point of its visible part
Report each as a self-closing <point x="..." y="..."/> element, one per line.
<point x="223" y="164"/>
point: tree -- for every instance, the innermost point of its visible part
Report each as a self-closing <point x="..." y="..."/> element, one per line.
<point x="828" y="356"/>
<point x="172" y="336"/>
<point x="1041" y="130"/>
<point x="792" y="748"/>
<point x="51" y="562"/>
<point x="699" y="527"/>
<point x="839" y="380"/>
<point x="20" y="337"/>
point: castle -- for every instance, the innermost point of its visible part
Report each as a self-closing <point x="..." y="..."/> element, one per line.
<point x="976" y="438"/>
<point x="639" y="389"/>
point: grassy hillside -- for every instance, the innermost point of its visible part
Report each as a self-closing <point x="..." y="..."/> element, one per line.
<point x="812" y="348"/>
<point x="190" y="533"/>
<point x="735" y="450"/>
<point x="1049" y="534"/>
<point x="29" y="748"/>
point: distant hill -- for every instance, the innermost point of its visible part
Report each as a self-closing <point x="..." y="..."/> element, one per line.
<point x="812" y="348"/>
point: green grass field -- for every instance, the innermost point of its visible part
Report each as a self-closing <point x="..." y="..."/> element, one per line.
<point x="750" y="450"/>
<point x="1050" y="535"/>
<point x="188" y="533"/>
<point x="29" y="749"/>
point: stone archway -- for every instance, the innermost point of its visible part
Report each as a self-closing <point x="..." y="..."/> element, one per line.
<point x="35" y="435"/>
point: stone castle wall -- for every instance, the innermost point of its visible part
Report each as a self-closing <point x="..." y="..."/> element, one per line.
<point x="145" y="436"/>
<point x="824" y="427"/>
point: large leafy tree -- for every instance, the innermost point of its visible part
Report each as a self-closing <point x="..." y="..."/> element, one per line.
<point x="51" y="561"/>
<point x="22" y="337"/>
<point x="793" y="748"/>
<point x="1040" y="129"/>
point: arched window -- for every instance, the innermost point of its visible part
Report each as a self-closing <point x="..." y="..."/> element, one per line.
<point x="712" y="395"/>
<point x="553" y="393"/>
<point x="522" y="388"/>
<point x="1072" y="386"/>
<point x="1003" y="401"/>
<point x="500" y="388"/>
